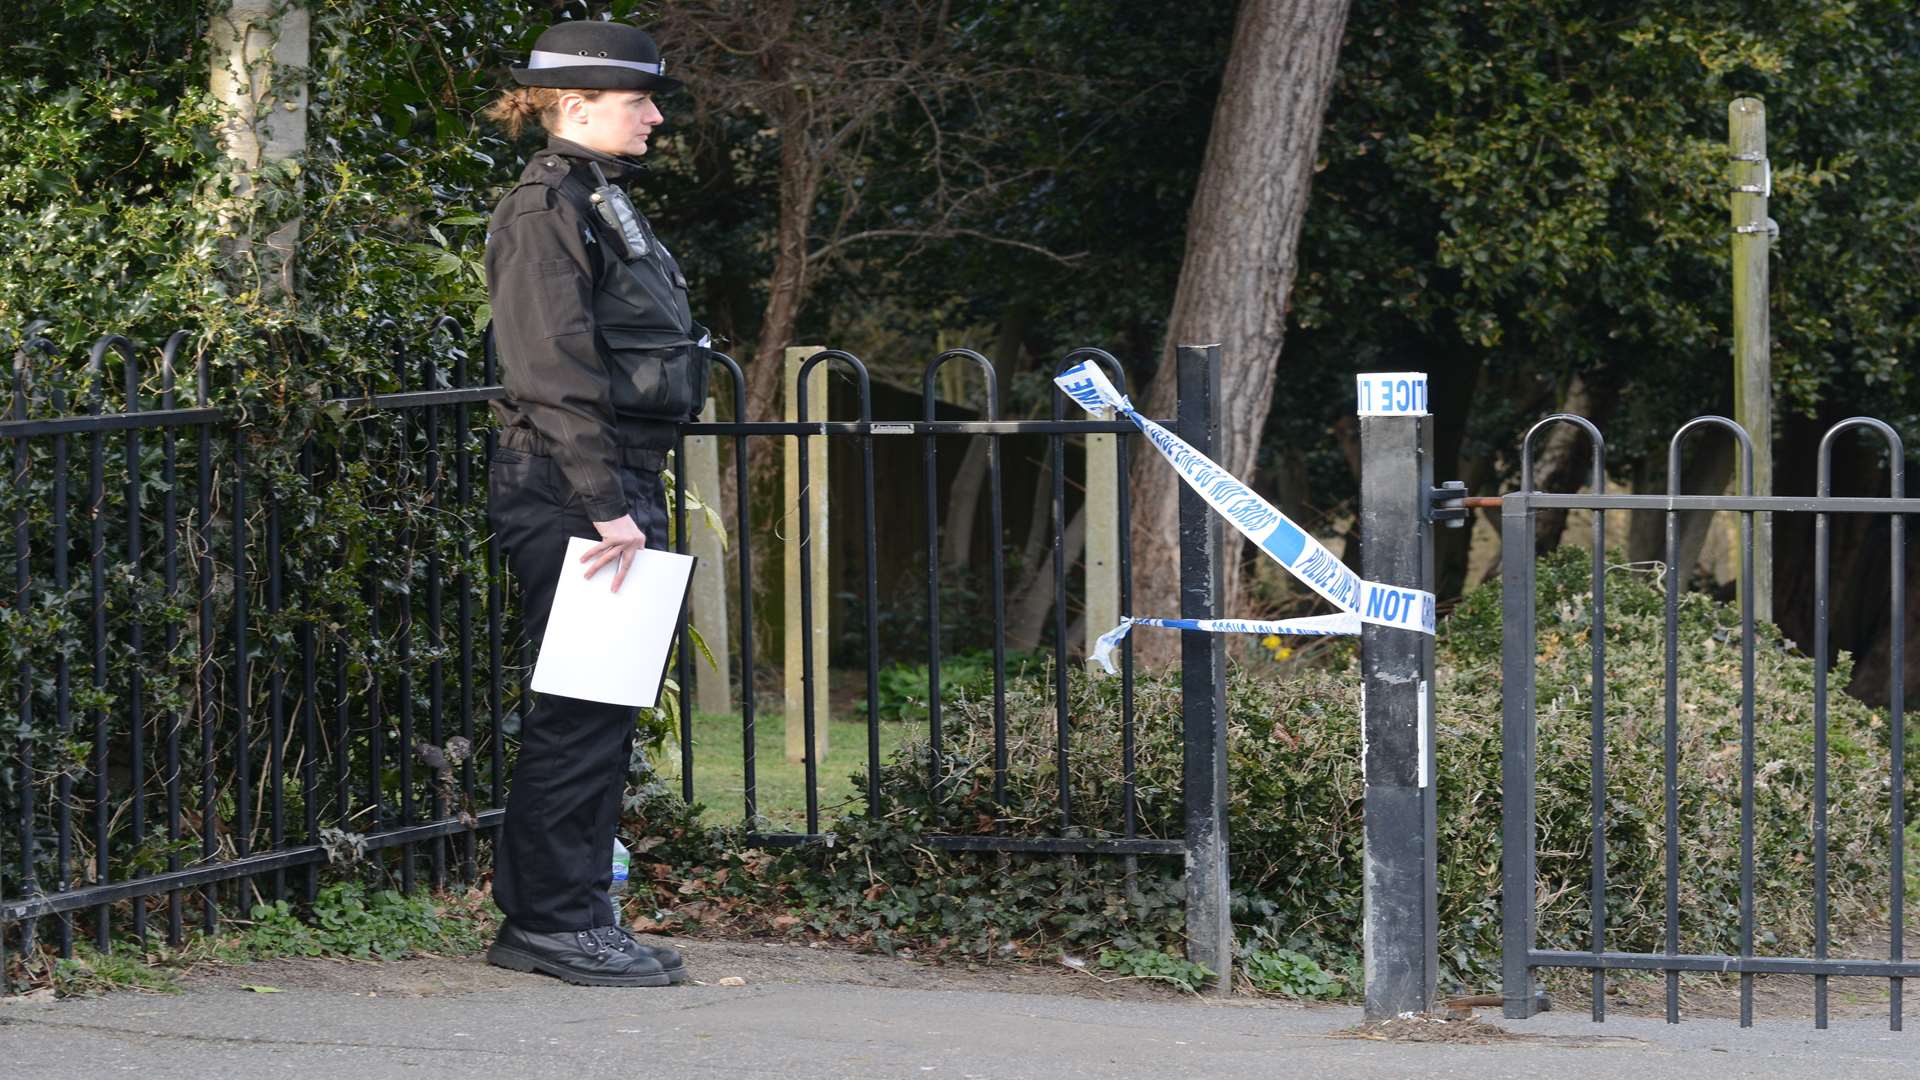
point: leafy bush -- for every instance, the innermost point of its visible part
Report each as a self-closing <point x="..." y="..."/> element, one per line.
<point x="108" y="175"/>
<point x="114" y="193"/>
<point x="1288" y="973"/>
<point x="1709" y="695"/>
<point x="903" y="686"/>
<point x="1154" y="964"/>
<point x="348" y="919"/>
<point x="1296" y="806"/>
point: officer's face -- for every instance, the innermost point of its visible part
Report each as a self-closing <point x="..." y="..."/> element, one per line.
<point x="616" y="122"/>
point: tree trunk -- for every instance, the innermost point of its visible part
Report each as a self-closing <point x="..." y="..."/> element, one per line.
<point x="1039" y="518"/>
<point x="1705" y="472"/>
<point x="963" y="503"/>
<point x="1033" y="598"/>
<point x="1565" y="460"/>
<point x="786" y="293"/>
<point x="1859" y="599"/>
<point x="1239" y="267"/>
<point x="1452" y="405"/>
<point x="963" y="506"/>
<point x="258" y="72"/>
<point x="799" y="181"/>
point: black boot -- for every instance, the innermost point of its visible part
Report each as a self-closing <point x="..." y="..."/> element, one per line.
<point x="582" y="957"/>
<point x="670" y="960"/>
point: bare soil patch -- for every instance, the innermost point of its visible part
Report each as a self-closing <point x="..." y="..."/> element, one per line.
<point x="1466" y="1031"/>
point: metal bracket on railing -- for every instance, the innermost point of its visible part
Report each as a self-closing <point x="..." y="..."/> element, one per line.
<point x="1447" y="505"/>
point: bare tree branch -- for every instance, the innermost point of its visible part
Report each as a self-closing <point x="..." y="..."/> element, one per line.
<point x="943" y="233"/>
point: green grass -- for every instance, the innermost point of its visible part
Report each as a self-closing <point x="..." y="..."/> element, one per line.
<point x="90" y="971"/>
<point x="349" y="919"/>
<point x="719" y="771"/>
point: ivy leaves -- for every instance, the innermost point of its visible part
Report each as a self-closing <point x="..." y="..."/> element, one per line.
<point x="1540" y="189"/>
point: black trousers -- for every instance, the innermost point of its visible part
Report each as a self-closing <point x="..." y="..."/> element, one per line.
<point x="553" y="863"/>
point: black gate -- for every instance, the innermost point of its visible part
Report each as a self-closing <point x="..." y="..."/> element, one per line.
<point x="1522" y="957"/>
<point x="161" y="767"/>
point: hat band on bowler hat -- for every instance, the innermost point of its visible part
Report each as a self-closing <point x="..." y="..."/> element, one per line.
<point x="538" y="59"/>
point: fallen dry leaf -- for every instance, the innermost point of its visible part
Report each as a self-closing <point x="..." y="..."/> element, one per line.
<point x="699" y="911"/>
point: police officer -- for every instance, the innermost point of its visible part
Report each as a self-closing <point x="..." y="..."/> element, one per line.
<point x="600" y="358"/>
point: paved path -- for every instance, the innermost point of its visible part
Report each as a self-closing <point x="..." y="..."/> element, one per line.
<point x="797" y="1021"/>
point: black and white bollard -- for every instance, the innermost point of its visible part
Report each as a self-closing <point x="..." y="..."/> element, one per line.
<point x="1401" y="931"/>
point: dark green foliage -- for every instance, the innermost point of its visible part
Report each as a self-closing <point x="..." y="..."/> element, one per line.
<point x="1296" y="804"/>
<point x="1107" y="135"/>
<point x="1709" y="719"/>
<point x="106" y="157"/>
<point x="114" y="196"/>
<point x="878" y="888"/>
<point x="1517" y="192"/>
<point x="967" y="675"/>
<point x="1289" y="973"/>
<point x="1513" y="193"/>
<point x="1153" y="964"/>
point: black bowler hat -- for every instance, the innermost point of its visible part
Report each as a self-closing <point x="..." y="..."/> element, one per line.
<point x="593" y="55"/>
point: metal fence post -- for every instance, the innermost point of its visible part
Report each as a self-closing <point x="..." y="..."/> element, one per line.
<point x="1203" y="680"/>
<point x="1401" y="931"/>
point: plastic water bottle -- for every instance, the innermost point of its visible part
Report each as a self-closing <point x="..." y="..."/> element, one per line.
<point x="622" y="865"/>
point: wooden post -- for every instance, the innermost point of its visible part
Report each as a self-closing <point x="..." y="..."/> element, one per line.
<point x="1103" y="539"/>
<point x="791" y="528"/>
<point x="1752" y="344"/>
<point x="712" y="692"/>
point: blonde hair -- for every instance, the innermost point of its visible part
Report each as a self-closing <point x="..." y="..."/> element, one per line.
<point x="523" y="104"/>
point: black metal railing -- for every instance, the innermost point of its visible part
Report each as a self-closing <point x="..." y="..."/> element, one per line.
<point x="256" y="738"/>
<point x="1522" y="957"/>
<point x="281" y="655"/>
<point x="1073" y="837"/>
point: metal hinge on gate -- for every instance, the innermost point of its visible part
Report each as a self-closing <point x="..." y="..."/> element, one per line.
<point x="1447" y="503"/>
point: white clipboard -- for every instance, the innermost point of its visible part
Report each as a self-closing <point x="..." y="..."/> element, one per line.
<point x="608" y="646"/>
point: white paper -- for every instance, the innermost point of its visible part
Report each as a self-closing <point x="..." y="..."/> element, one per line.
<point x="611" y="646"/>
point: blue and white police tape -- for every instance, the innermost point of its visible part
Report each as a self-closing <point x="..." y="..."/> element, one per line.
<point x="1391" y="393"/>
<point x="1310" y="626"/>
<point x="1259" y="520"/>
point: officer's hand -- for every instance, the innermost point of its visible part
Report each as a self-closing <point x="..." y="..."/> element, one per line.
<point x="620" y="540"/>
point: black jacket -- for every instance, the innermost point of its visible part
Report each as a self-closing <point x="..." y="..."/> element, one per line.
<point x="598" y="351"/>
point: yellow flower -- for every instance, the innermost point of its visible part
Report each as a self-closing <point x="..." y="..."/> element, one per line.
<point x="1283" y="654"/>
<point x="1271" y="641"/>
